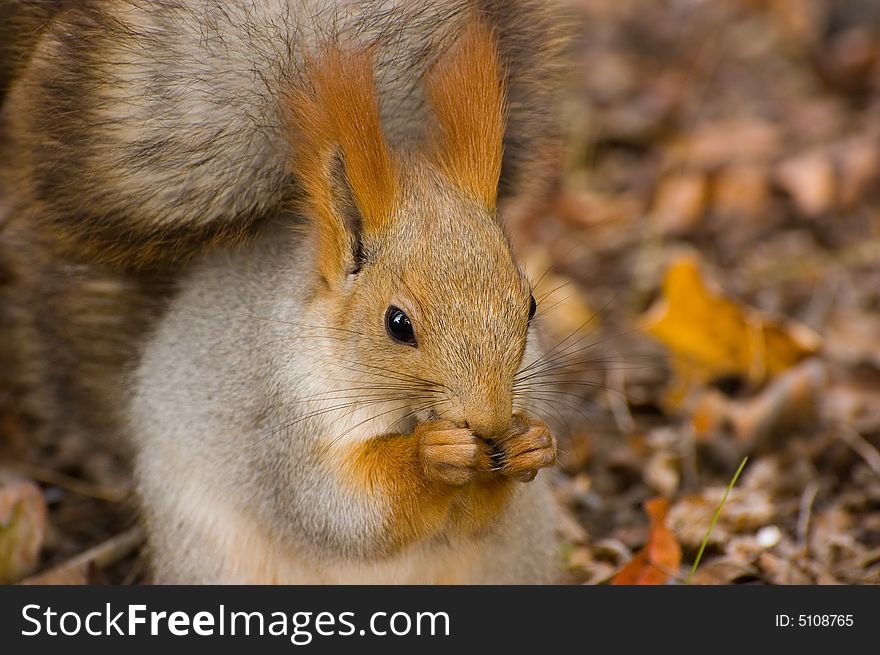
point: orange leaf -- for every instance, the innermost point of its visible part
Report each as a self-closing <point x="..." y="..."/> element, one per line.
<point x="710" y="335"/>
<point x="660" y="557"/>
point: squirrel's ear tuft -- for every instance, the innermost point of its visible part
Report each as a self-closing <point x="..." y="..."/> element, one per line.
<point x="466" y="90"/>
<point x="340" y="156"/>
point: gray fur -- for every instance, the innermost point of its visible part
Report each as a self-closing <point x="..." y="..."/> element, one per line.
<point x="152" y="130"/>
<point x="155" y="279"/>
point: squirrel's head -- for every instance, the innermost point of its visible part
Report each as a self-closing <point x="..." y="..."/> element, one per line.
<point x="415" y="281"/>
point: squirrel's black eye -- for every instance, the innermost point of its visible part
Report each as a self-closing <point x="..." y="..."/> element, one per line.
<point x="533" y="307"/>
<point x="399" y="327"/>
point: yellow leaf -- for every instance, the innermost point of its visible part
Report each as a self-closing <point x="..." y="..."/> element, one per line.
<point x="23" y="525"/>
<point x="711" y="336"/>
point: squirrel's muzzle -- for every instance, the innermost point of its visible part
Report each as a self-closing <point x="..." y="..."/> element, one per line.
<point x="487" y="415"/>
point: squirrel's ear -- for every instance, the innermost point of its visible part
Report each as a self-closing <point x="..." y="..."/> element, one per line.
<point x="341" y="159"/>
<point x="466" y="90"/>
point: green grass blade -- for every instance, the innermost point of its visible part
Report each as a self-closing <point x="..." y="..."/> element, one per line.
<point x="742" y="465"/>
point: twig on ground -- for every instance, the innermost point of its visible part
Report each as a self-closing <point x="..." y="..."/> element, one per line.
<point x="64" y="481"/>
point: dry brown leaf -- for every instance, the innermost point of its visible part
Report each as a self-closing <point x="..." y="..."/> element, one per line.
<point x="679" y="203"/>
<point x="742" y="191"/>
<point x="743" y="511"/>
<point x="710" y="412"/>
<point x="830" y="536"/>
<point x="854" y="405"/>
<point x="81" y="569"/>
<point x="580" y="559"/>
<point x="783" y="571"/>
<point x="859" y="165"/>
<point x="850" y="57"/>
<point x="724" y="142"/>
<point x="595" y="210"/>
<point x="77" y="573"/>
<point x="608" y="219"/>
<point x="570" y="530"/>
<point x="809" y="179"/>
<point x="661" y="472"/>
<point x="800" y="20"/>
<point x="601" y="573"/>
<point x="722" y="570"/>
<point x="689" y="518"/>
<point x="23" y="523"/>
<point x="854" y="338"/>
<point x="787" y="402"/>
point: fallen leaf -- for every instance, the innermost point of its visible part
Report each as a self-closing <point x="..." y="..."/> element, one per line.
<point x="790" y="401"/>
<point x="580" y="559"/>
<point x="801" y="21"/>
<point x="680" y="203"/>
<point x="601" y="573"/>
<point x="661" y="472"/>
<point x="859" y="164"/>
<point x="593" y="210"/>
<point x="742" y="191"/>
<point x="23" y="522"/>
<point x="720" y="143"/>
<point x="831" y="534"/>
<point x="660" y="558"/>
<point x="854" y="337"/>
<point x="809" y="179"/>
<point x="570" y="530"/>
<point x="850" y="58"/>
<point x="782" y="571"/>
<point x="83" y="568"/>
<point x="608" y="219"/>
<point x="613" y="550"/>
<point x="78" y="573"/>
<point x="710" y="412"/>
<point x="856" y="405"/>
<point x="743" y="511"/>
<point x="722" y="570"/>
<point x="711" y="336"/>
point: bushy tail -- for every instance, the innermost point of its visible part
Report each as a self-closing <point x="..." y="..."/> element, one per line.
<point x="153" y="130"/>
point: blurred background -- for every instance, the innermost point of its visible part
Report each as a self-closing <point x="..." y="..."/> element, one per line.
<point x="718" y="230"/>
<point x="708" y="283"/>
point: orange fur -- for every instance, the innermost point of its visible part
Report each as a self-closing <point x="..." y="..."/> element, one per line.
<point x="466" y="90"/>
<point x="480" y="503"/>
<point x="393" y="468"/>
<point x="340" y="111"/>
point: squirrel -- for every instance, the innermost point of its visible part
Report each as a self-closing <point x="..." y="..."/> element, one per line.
<point x="260" y="245"/>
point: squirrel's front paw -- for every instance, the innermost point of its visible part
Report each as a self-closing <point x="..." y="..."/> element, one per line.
<point x="449" y="454"/>
<point x="527" y="447"/>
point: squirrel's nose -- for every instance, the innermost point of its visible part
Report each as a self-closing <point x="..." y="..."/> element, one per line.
<point x="488" y="413"/>
<point x="489" y="422"/>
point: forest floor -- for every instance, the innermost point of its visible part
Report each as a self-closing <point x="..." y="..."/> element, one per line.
<point x="708" y="283"/>
<point x="719" y="227"/>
